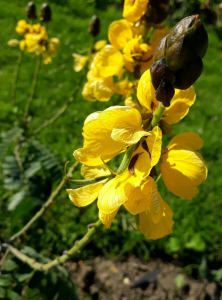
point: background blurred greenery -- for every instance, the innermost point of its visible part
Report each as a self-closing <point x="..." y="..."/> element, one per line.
<point x="198" y="223"/>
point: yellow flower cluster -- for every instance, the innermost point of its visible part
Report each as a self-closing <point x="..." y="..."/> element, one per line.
<point x="36" y="39"/>
<point x="108" y="133"/>
<point x="126" y="54"/>
<point x="134" y="131"/>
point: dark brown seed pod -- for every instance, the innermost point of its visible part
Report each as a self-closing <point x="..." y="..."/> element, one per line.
<point x="31" y="10"/>
<point x="94" y="26"/>
<point x="45" y="13"/>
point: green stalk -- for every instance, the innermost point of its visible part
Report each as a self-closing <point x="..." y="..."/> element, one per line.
<point x="126" y="159"/>
<point x="14" y="87"/>
<point x="158" y="115"/>
<point x="33" y="90"/>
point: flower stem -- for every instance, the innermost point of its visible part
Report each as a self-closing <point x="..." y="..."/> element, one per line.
<point x="14" y="87"/>
<point x="158" y="115"/>
<point x="32" y="94"/>
<point x="79" y="245"/>
<point x="44" y="206"/>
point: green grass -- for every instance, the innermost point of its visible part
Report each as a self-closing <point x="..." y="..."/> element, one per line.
<point x="198" y="223"/>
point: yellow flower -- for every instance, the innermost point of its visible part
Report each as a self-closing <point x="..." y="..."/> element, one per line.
<point x="107" y="133"/>
<point x="120" y="32"/>
<point x="182" y="168"/>
<point x="23" y="27"/>
<point x="79" y="62"/>
<point x="179" y="106"/>
<point x="108" y="61"/>
<point x="143" y="200"/>
<point x="134" y="9"/>
<point x="136" y="53"/>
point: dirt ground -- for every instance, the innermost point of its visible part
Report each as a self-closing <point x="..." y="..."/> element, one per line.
<point x="128" y="280"/>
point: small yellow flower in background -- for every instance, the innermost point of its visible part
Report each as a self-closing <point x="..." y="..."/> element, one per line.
<point x="13" y="43"/>
<point x="134" y="9"/>
<point x="99" y="45"/>
<point x="79" y="62"/>
<point x="23" y="27"/>
<point x="35" y="40"/>
<point x="182" y="168"/>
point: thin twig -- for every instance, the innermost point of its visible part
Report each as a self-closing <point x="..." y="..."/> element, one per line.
<point x="14" y="87"/>
<point x="44" y="206"/>
<point x="4" y="258"/>
<point x="79" y="245"/>
<point x="32" y="94"/>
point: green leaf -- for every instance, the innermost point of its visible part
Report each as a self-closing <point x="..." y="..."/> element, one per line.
<point x="14" y="296"/>
<point x="2" y="293"/>
<point x="196" y="243"/>
<point x="173" y="245"/>
<point x="217" y="275"/>
<point x="16" y="199"/>
<point x="9" y="265"/>
<point x="33" y="168"/>
<point x="23" y="277"/>
<point x="5" y="280"/>
<point x="21" y="210"/>
<point x="179" y="281"/>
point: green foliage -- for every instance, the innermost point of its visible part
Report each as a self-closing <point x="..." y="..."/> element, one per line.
<point x="38" y="285"/>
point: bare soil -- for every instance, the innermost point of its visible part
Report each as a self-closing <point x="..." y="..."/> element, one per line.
<point x="114" y="280"/>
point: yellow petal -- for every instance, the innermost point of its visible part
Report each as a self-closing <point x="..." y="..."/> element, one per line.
<point x="142" y="166"/>
<point x="88" y="91"/>
<point x="94" y="172"/>
<point x="140" y="197"/>
<point x="128" y="128"/>
<point x="79" y="62"/>
<point x="182" y="170"/>
<point x="154" y="142"/>
<point x="134" y="9"/>
<point x="104" y="89"/>
<point x="100" y="44"/>
<point x="156" y="205"/>
<point x="180" y="105"/>
<point x="85" y="195"/>
<point x="123" y="87"/>
<point x="108" y="61"/>
<point x="107" y="219"/>
<point x="22" y="45"/>
<point x="46" y="58"/>
<point x="113" y="195"/>
<point x="97" y="132"/>
<point x="120" y="32"/>
<point x="146" y="92"/>
<point x="191" y="139"/>
<point x="156" y="230"/>
<point x="86" y="156"/>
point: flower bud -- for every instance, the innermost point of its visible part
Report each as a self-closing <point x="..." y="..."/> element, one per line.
<point x="45" y="13"/>
<point x="165" y="92"/>
<point x="31" y="11"/>
<point x="94" y="26"/>
<point x="161" y="49"/>
<point x="186" y="41"/>
<point x="187" y="76"/>
<point x="178" y="58"/>
<point x="159" y="70"/>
